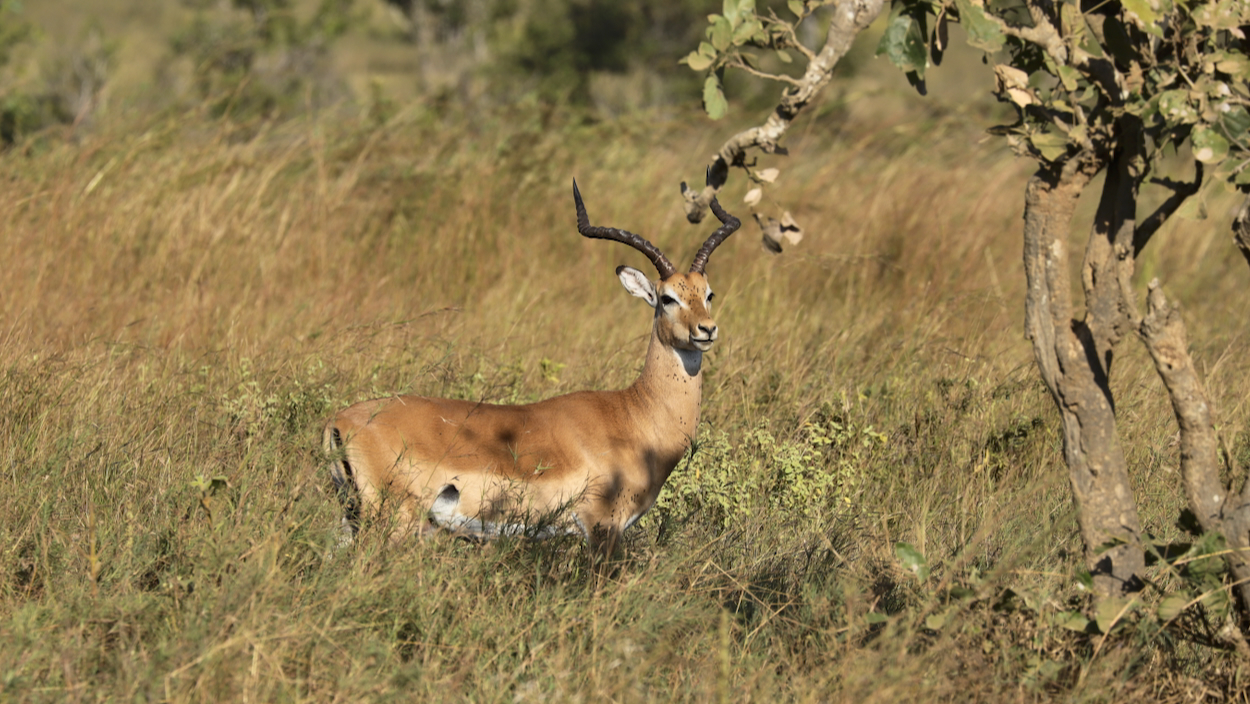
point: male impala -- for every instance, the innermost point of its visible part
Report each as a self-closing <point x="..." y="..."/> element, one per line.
<point x="590" y="462"/>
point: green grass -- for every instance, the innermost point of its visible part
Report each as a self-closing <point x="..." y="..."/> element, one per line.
<point x="185" y="302"/>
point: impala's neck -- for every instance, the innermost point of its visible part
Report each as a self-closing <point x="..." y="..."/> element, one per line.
<point x="669" y="391"/>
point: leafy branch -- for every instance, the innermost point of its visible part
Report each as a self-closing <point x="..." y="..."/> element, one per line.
<point x="730" y="36"/>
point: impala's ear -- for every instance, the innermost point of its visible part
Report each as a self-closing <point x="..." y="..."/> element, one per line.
<point x="637" y="283"/>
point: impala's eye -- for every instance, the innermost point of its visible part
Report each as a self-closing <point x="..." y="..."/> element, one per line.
<point x="710" y="296"/>
<point x="667" y="300"/>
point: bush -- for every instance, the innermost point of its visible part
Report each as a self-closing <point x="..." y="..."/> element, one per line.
<point x="258" y="57"/>
<point x="822" y="468"/>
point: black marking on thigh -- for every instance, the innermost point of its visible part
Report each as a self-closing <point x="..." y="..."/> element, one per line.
<point x="348" y="495"/>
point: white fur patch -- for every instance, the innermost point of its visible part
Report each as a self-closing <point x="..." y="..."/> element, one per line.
<point x="637" y="284"/>
<point x="633" y="519"/>
<point x="346" y="535"/>
<point x="445" y="513"/>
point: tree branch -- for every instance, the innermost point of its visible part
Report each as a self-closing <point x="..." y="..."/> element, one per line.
<point x="793" y="38"/>
<point x="1163" y="332"/>
<point x="850" y="17"/>
<point x="781" y="77"/>
<point x="1216" y="506"/>
<point x="1180" y="193"/>
<point x="1043" y="35"/>
<point x="1107" y="272"/>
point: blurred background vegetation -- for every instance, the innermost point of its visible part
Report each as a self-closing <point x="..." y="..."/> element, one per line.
<point x="64" y="62"/>
<point x="224" y="219"/>
<point x="274" y="57"/>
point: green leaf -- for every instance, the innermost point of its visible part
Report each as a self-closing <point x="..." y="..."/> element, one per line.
<point x="1146" y="16"/>
<point x="912" y="560"/>
<point x="903" y="44"/>
<point x="1044" y="672"/>
<point x="714" y="98"/>
<point x="1175" y="108"/>
<point x="1072" y="620"/>
<point x="1236" y="122"/>
<point x="1050" y="146"/>
<point x="962" y="594"/>
<point x="784" y="56"/>
<point x="1225" y="14"/>
<point x="1078" y="134"/>
<point x="1234" y="64"/>
<point x="1206" y="569"/>
<point x="1112" y="611"/>
<point x="874" y="618"/>
<point x="938" y="621"/>
<point x="721" y="33"/>
<point x="1172" y="606"/>
<point x="1071" y="22"/>
<point x="697" y="61"/>
<point x="1070" y="77"/>
<point x="1217" y="604"/>
<point x="796" y="6"/>
<point x="983" y="32"/>
<point x="1209" y="544"/>
<point x="729" y="8"/>
<point x="210" y="485"/>
<point x="1210" y="147"/>
<point x="746" y="31"/>
<point x="1085" y="579"/>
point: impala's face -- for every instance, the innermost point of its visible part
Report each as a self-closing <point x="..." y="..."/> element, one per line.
<point x="683" y="307"/>
<point x="684" y="312"/>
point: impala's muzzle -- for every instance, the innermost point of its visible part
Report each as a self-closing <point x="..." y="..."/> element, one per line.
<point x="703" y="336"/>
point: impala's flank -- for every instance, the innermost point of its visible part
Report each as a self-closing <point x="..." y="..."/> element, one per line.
<point x="591" y="462"/>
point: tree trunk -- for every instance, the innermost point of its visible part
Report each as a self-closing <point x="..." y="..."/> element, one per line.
<point x="1235" y="513"/>
<point x="1217" y="508"/>
<point x="1241" y="228"/>
<point x="1076" y="370"/>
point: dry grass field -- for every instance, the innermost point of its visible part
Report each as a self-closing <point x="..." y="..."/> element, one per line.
<point x="184" y="301"/>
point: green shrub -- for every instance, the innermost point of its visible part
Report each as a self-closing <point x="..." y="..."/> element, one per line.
<point x="259" y="57"/>
<point x="823" y="467"/>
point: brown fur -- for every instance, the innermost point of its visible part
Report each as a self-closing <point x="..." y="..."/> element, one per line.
<point x="593" y="460"/>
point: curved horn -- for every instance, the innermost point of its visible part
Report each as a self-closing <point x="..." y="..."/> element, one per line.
<point x="610" y="233"/>
<point x="729" y="224"/>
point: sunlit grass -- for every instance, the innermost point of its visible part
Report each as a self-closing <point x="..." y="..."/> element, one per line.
<point x="185" y="302"/>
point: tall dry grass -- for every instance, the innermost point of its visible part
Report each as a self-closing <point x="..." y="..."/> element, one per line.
<point x="184" y="303"/>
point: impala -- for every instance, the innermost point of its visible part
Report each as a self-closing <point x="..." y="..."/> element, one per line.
<point x="590" y="462"/>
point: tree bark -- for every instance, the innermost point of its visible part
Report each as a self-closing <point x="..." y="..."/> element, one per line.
<point x="1236" y="509"/>
<point x="1110" y="255"/>
<point x="1241" y="228"/>
<point x="1163" y="331"/>
<point x="1217" y="508"/>
<point x="1072" y="365"/>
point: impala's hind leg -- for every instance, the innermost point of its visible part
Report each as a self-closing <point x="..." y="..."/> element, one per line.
<point x="344" y="486"/>
<point x="602" y="543"/>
